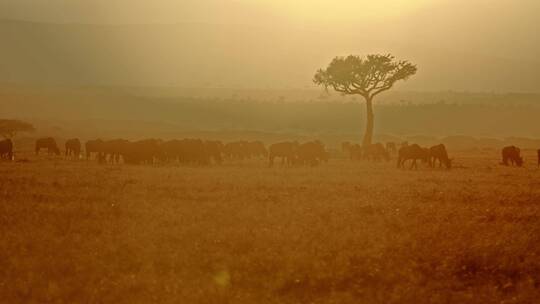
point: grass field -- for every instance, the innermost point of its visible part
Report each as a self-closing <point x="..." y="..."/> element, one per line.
<point x="77" y="232"/>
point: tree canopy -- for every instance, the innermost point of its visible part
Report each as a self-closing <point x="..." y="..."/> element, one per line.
<point x="367" y="76"/>
<point x="10" y="127"/>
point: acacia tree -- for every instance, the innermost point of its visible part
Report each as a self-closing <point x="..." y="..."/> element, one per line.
<point x="367" y="77"/>
<point x="10" y="127"/>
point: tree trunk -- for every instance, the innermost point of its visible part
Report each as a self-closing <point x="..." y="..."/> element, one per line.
<point x="368" y="136"/>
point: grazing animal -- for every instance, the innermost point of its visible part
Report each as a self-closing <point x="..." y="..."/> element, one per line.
<point x="171" y="150"/>
<point x="285" y="150"/>
<point x="214" y="150"/>
<point x="236" y="150"/>
<point x="356" y="152"/>
<point x="538" y="152"/>
<point x="376" y="152"/>
<point x="311" y="153"/>
<point x="256" y="149"/>
<point x="413" y="152"/>
<point x="6" y="149"/>
<point x="47" y="143"/>
<point x="113" y="150"/>
<point x="511" y="155"/>
<point x="439" y="153"/>
<point x="73" y="147"/>
<point x="194" y="152"/>
<point x="142" y="151"/>
<point x="191" y="151"/>
<point x="346" y="148"/>
<point x="94" y="146"/>
<point x="391" y="147"/>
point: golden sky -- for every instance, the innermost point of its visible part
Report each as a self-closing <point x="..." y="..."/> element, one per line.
<point x="344" y="11"/>
<point x="458" y="44"/>
<point x="144" y="11"/>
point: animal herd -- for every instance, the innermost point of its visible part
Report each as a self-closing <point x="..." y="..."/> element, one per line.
<point x="412" y="153"/>
<point x="205" y="152"/>
<point x="184" y="151"/>
<point x="433" y="156"/>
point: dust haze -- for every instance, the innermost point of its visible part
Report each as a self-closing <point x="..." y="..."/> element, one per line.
<point x="480" y="46"/>
<point x="269" y="151"/>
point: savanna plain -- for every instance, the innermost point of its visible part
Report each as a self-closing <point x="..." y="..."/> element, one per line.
<point x="241" y="232"/>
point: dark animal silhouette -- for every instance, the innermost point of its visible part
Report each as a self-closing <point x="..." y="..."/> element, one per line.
<point x="236" y="150"/>
<point x="256" y="149"/>
<point x="195" y="152"/>
<point x="142" y="152"/>
<point x="191" y="151"/>
<point x="285" y="150"/>
<point x="376" y="152"/>
<point x="214" y="150"/>
<point x="356" y="152"/>
<point x="439" y="153"/>
<point x="73" y="147"/>
<point x="346" y="148"/>
<point x="94" y="147"/>
<point x="171" y="150"/>
<point x="413" y="152"/>
<point x="538" y="152"/>
<point x="311" y="153"/>
<point x="511" y="155"/>
<point x="114" y="150"/>
<point x="6" y="149"/>
<point x="391" y="147"/>
<point x="47" y="143"/>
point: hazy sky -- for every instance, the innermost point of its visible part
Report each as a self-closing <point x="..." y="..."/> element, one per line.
<point x="250" y="11"/>
<point x="503" y="30"/>
<point x="499" y="27"/>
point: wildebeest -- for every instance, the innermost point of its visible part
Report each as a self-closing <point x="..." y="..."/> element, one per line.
<point x="391" y="147"/>
<point x="285" y="150"/>
<point x="6" y="149"/>
<point x="241" y="150"/>
<point x="73" y="147"/>
<point x="191" y="151"/>
<point x="376" y="152"/>
<point x="256" y="149"/>
<point x="142" y="151"/>
<point x="214" y="150"/>
<point x="195" y="152"/>
<point x="47" y="143"/>
<point x="439" y="153"/>
<point x="355" y="152"/>
<point x="236" y="150"/>
<point x="346" y="148"/>
<point x="413" y="152"/>
<point x="94" y="146"/>
<point x="172" y="150"/>
<point x="511" y="155"/>
<point x="311" y="153"/>
<point x="114" y="150"/>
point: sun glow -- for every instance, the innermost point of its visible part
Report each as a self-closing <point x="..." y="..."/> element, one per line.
<point x="343" y="11"/>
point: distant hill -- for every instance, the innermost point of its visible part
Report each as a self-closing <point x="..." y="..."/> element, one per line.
<point x="213" y="55"/>
<point x="153" y="112"/>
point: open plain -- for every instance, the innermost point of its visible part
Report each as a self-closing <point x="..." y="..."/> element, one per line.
<point x="342" y="232"/>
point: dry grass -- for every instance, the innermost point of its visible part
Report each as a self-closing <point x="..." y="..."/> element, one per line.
<point x="76" y="232"/>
